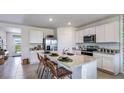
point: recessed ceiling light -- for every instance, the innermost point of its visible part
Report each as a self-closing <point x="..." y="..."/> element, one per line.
<point x="50" y="19"/>
<point x="69" y="23"/>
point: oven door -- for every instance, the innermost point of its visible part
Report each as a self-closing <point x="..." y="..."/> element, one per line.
<point x="87" y="53"/>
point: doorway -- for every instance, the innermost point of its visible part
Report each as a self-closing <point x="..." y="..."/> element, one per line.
<point x="17" y="45"/>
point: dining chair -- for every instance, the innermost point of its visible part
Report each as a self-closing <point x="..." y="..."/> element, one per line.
<point x="59" y="73"/>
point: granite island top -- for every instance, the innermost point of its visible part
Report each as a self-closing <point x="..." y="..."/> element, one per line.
<point x="77" y="59"/>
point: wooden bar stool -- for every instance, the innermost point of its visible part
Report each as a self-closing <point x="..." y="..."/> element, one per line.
<point x="41" y="66"/>
<point x="47" y="59"/>
<point x="58" y="73"/>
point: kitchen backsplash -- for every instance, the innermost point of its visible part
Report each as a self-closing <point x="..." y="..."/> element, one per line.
<point x="110" y="46"/>
<point x="102" y="45"/>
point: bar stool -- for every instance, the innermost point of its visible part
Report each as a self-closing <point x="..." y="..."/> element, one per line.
<point x="46" y="69"/>
<point x="39" y="65"/>
<point x="58" y="73"/>
<point x="47" y="59"/>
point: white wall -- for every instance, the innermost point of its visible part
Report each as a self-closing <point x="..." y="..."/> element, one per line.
<point x="3" y="36"/>
<point x="25" y="39"/>
<point x="25" y="36"/>
<point x="10" y="44"/>
<point x="65" y="36"/>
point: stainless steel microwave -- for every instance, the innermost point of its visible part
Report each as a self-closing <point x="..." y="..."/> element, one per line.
<point x="89" y="39"/>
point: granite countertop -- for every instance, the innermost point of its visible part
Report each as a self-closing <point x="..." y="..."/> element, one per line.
<point x="77" y="59"/>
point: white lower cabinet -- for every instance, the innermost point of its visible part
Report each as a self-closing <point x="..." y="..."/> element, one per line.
<point x="108" y="62"/>
<point x="99" y="60"/>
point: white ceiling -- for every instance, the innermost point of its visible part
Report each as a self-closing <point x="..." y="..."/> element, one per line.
<point x="59" y="20"/>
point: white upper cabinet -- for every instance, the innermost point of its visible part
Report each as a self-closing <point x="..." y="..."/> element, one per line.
<point x="108" y="32"/>
<point x="89" y="31"/>
<point x="36" y="36"/>
<point x="112" y="32"/>
<point x="79" y="36"/>
<point x="92" y="31"/>
<point x="86" y="32"/>
<point x="100" y="33"/>
<point x="46" y="33"/>
<point x="76" y="36"/>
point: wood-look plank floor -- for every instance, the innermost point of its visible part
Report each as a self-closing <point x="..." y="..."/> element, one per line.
<point x="13" y="69"/>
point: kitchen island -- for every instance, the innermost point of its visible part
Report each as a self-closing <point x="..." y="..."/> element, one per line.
<point x="82" y="66"/>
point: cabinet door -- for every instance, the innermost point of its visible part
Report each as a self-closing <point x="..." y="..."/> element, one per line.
<point x="116" y="31"/>
<point x="112" y="32"/>
<point x="109" y="32"/>
<point x="81" y="36"/>
<point x="89" y="31"/>
<point x="92" y="31"/>
<point x="100" y="33"/>
<point x="77" y="37"/>
<point x="99" y="59"/>
<point x="108" y="63"/>
<point x="86" y="32"/>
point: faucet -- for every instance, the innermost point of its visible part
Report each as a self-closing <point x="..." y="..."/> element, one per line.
<point x="65" y="50"/>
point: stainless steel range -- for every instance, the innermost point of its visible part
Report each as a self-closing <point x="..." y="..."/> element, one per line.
<point x="89" y="50"/>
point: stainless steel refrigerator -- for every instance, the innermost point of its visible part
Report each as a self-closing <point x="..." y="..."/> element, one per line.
<point x="50" y="43"/>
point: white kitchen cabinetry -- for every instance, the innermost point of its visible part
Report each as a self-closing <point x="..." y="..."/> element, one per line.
<point x="76" y="36"/>
<point x="36" y="36"/>
<point x="99" y="60"/>
<point x="108" y="62"/>
<point x="79" y="36"/>
<point x="112" y="32"/>
<point x="89" y="31"/>
<point x="86" y="32"/>
<point x="108" y="32"/>
<point x="100" y="33"/>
